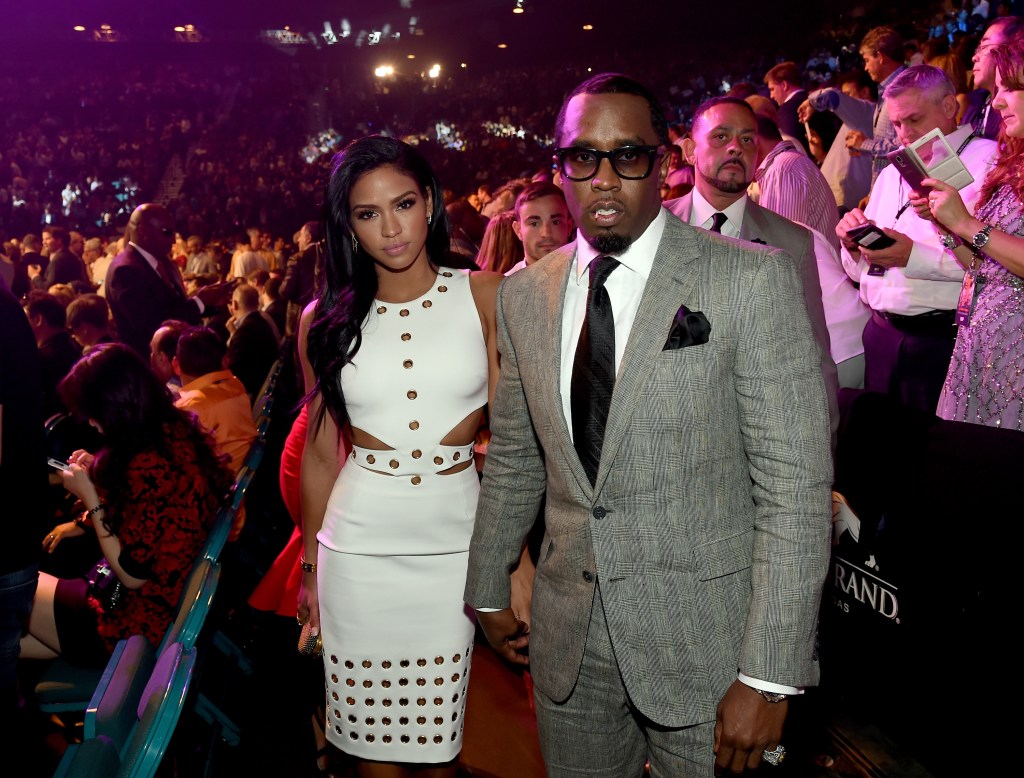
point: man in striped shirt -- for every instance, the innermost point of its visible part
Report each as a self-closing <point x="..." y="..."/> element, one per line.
<point x="789" y="183"/>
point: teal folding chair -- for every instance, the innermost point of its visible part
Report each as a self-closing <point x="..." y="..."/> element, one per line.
<point x="154" y="718"/>
<point x="65" y="688"/>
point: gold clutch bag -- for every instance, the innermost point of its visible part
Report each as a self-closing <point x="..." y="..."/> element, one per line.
<point x="310" y="644"/>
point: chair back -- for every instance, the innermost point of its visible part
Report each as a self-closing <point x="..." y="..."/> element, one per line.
<point x="158" y="711"/>
<point x="111" y="711"/>
<point x="194" y="606"/>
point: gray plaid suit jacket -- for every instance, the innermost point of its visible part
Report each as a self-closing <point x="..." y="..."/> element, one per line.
<point x="712" y="538"/>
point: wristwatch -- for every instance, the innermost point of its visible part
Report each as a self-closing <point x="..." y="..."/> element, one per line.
<point x="771" y="696"/>
<point x="981" y="236"/>
<point x="949" y="240"/>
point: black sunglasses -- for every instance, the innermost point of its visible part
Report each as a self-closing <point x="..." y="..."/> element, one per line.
<point x="577" y="163"/>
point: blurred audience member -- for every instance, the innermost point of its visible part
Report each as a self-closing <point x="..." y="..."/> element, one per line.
<point x="57" y="351"/>
<point x="88" y="318"/>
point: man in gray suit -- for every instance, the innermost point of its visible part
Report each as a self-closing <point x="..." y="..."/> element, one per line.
<point x="676" y="596"/>
<point x="723" y="147"/>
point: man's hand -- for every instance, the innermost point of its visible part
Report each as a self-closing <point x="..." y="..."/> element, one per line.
<point x="34" y="271"/>
<point x="508" y="636"/>
<point x="805" y="111"/>
<point x="855" y="139"/>
<point x="851" y="219"/>
<point x="896" y="255"/>
<point x="746" y="725"/>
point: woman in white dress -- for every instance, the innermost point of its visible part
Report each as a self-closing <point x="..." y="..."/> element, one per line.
<point x="400" y="360"/>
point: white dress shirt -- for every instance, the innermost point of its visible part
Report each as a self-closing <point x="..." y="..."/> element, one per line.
<point x="702" y="213"/>
<point x="625" y="288"/>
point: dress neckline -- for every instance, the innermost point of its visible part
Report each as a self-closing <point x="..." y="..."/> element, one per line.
<point x="427" y="291"/>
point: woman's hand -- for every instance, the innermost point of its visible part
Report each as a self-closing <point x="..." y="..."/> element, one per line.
<point x="66" y="530"/>
<point x="308" y="601"/>
<point x="77" y="479"/>
<point x="946" y="206"/>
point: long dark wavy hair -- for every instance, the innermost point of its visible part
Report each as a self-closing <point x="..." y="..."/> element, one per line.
<point x="114" y="387"/>
<point x="349" y="282"/>
<point x="1009" y="62"/>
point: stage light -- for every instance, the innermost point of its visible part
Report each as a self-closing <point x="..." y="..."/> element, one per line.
<point x="502" y="45"/>
<point x="588" y="26"/>
<point x="434" y="71"/>
<point x="78" y="28"/>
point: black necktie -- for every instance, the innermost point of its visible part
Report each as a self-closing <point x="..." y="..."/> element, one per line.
<point x="718" y="220"/>
<point x="593" y="369"/>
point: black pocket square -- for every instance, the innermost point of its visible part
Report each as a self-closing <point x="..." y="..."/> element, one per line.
<point x="689" y="328"/>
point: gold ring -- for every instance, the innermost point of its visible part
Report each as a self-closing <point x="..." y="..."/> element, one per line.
<point x="50" y="537"/>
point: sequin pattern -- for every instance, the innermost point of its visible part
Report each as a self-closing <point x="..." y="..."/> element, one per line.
<point x="985" y="382"/>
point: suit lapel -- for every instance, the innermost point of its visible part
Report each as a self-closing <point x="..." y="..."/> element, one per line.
<point x="672" y="283"/>
<point x="755" y="226"/>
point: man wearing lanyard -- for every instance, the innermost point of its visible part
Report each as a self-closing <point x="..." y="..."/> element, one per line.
<point x="912" y="286"/>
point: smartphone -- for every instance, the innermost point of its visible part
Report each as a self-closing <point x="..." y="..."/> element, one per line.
<point x="56" y="463"/>
<point x="870" y="237"/>
<point x="909" y="170"/>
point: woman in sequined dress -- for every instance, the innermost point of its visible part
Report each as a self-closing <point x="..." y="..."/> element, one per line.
<point x="985" y="382"/>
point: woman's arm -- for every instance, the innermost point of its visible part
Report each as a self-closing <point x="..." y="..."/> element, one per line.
<point x="948" y="209"/>
<point x="320" y="466"/>
<point x="78" y="481"/>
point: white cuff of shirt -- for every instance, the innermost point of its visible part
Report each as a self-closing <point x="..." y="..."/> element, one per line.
<point x="488" y="610"/>
<point x="765" y="686"/>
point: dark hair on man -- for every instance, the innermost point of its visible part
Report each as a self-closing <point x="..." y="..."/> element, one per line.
<point x="742" y="90"/>
<point x="30" y="243"/>
<point x="200" y="351"/>
<point x="88" y="309"/>
<point x="785" y="71"/>
<point x="1012" y="27"/>
<point x="884" y="40"/>
<point x="707" y="105"/>
<point x="860" y="79"/>
<point x="767" y="128"/>
<point x="40" y="303"/>
<point x="615" y="83"/>
<point x="272" y="288"/>
<point x="258" y="277"/>
<point x="535" y="191"/>
<point x="60" y="234"/>
<point x="168" y="333"/>
<point x="350" y="278"/>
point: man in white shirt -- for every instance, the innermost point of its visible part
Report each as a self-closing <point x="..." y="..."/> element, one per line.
<point x="542" y="222"/>
<point x="912" y="286"/>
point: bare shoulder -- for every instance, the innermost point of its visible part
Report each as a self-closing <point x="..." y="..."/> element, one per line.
<point x="485" y="282"/>
<point x="305" y="320"/>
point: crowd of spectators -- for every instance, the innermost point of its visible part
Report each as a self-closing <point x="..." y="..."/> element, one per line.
<point x="253" y="137"/>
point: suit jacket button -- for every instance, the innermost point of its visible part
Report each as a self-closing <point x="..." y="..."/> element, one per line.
<point x="600" y="512"/>
<point x="588" y="576"/>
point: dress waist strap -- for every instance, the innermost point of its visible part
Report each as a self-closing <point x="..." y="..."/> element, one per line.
<point x="426" y="461"/>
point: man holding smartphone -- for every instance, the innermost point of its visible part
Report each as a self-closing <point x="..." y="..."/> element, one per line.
<point x="913" y="283"/>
